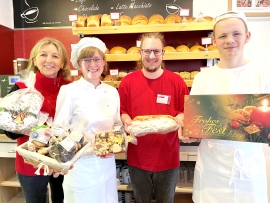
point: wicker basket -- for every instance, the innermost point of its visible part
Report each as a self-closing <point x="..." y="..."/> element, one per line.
<point x="42" y="161"/>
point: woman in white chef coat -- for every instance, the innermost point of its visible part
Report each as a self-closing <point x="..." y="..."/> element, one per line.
<point x="93" y="179"/>
<point x="230" y="171"/>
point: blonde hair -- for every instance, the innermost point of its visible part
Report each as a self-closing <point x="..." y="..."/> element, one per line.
<point x="65" y="70"/>
<point x="89" y="52"/>
<point x="155" y="35"/>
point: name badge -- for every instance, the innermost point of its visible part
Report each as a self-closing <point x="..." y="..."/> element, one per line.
<point x="163" y="99"/>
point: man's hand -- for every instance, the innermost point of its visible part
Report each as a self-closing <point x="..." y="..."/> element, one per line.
<point x="126" y="120"/>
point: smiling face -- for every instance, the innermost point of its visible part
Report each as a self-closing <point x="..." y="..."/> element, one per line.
<point x="48" y="61"/>
<point x="230" y="38"/>
<point x="92" y="67"/>
<point x="151" y="63"/>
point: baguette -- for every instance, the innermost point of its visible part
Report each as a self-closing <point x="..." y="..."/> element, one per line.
<point x="160" y="124"/>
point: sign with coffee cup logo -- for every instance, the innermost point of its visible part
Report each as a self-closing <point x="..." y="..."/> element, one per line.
<point x="51" y="13"/>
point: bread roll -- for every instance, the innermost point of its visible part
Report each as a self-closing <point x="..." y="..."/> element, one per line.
<point x="106" y="20"/>
<point x="122" y="74"/>
<point x="139" y="20"/>
<point x="189" y="19"/>
<point x="205" y="19"/>
<point x="212" y="48"/>
<point x="169" y="49"/>
<point x="133" y="50"/>
<point x="161" y="124"/>
<point x="107" y="51"/>
<point x="197" y="48"/>
<point x="81" y="22"/>
<point x="123" y="20"/>
<point x="173" y="18"/>
<point x="93" y="20"/>
<point x="156" y="19"/>
<point x="109" y="78"/>
<point x="185" y="75"/>
<point x="182" y="48"/>
<point x="118" y="50"/>
<point x="193" y="73"/>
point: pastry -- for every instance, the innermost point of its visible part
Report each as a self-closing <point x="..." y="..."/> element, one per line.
<point x="122" y="74"/>
<point x="81" y="22"/>
<point x="139" y="20"/>
<point x="182" y="48"/>
<point x="156" y="19"/>
<point x="185" y="75"/>
<point x="109" y="78"/>
<point x="189" y="19"/>
<point x="161" y="124"/>
<point x="106" y="20"/>
<point x="133" y="50"/>
<point x="169" y="49"/>
<point x="212" y="48"/>
<point x="193" y="73"/>
<point x="93" y="20"/>
<point x="123" y="20"/>
<point x="197" y="48"/>
<point x="205" y="19"/>
<point x="173" y="18"/>
<point x="118" y="50"/>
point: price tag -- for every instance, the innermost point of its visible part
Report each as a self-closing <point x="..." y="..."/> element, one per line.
<point x="113" y="71"/>
<point x="184" y="12"/>
<point x="115" y="15"/>
<point x="206" y="40"/>
<point x="138" y="43"/>
<point x="72" y="17"/>
<point x="67" y="143"/>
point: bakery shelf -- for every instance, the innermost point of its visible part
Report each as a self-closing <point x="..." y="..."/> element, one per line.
<point x="116" y="83"/>
<point x="141" y="28"/>
<point x="11" y="182"/>
<point x="19" y="198"/>
<point x="167" y="56"/>
<point x="183" y="188"/>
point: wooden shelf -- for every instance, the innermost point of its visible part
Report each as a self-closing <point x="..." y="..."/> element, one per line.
<point x="19" y="198"/>
<point x="116" y="83"/>
<point x="142" y="28"/>
<point x="179" y="189"/>
<point x="11" y="182"/>
<point x="167" y="56"/>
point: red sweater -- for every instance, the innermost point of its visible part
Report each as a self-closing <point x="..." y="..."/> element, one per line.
<point x="49" y="88"/>
<point x="138" y="96"/>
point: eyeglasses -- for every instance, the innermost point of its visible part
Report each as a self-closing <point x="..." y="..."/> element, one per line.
<point x="147" y="52"/>
<point x="87" y="61"/>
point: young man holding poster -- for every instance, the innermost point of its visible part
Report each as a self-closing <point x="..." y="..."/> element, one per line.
<point x="230" y="171"/>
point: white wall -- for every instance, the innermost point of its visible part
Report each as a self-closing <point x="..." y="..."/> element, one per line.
<point x="6" y="13"/>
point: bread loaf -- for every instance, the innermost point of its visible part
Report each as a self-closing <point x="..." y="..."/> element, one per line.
<point x="189" y="19"/>
<point x="81" y="22"/>
<point x="185" y="75"/>
<point x="197" y="48"/>
<point x="173" y="18"/>
<point x="139" y="20"/>
<point x="106" y="20"/>
<point x="118" y="50"/>
<point x="205" y="19"/>
<point x="182" y="48"/>
<point x="93" y="20"/>
<point x="193" y="73"/>
<point x="169" y="49"/>
<point x="123" y="20"/>
<point x="160" y="124"/>
<point x="156" y="19"/>
<point x="133" y="50"/>
<point x="212" y="48"/>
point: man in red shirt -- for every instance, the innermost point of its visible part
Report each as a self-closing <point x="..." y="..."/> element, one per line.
<point x="153" y="90"/>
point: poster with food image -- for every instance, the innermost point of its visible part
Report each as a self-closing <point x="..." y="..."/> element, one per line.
<point x="241" y="117"/>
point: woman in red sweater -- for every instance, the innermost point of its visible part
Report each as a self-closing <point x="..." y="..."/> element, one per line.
<point x="48" y="59"/>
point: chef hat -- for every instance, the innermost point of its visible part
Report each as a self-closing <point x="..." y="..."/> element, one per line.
<point x="232" y="14"/>
<point x="83" y="43"/>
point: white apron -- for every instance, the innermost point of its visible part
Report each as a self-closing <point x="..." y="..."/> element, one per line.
<point x="92" y="180"/>
<point x="236" y="168"/>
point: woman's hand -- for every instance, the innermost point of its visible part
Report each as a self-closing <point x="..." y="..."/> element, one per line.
<point x="56" y="174"/>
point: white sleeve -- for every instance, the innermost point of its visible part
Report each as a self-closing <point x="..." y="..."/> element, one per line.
<point x="117" y="120"/>
<point x="196" y="88"/>
<point x="63" y="112"/>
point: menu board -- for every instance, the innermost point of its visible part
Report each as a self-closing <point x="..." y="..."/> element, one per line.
<point x="54" y="13"/>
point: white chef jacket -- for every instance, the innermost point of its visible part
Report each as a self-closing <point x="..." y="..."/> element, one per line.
<point x="230" y="171"/>
<point x="93" y="179"/>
